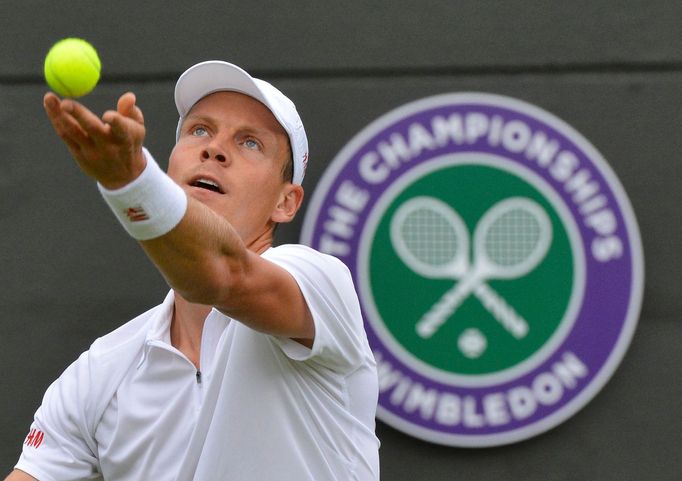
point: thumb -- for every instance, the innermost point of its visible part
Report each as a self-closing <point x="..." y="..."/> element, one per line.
<point x="126" y="107"/>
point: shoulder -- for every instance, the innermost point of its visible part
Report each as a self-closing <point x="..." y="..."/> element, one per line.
<point x="314" y="271"/>
<point x="299" y="257"/>
<point x="327" y="286"/>
<point x="132" y="332"/>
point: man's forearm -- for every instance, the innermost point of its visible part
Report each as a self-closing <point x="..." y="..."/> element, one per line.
<point x="18" y="475"/>
<point x="200" y="257"/>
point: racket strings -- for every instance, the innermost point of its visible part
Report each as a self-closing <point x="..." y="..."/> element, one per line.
<point x="429" y="237"/>
<point x="512" y="238"/>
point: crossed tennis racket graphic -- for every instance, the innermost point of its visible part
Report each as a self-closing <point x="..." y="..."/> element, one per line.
<point x="509" y="241"/>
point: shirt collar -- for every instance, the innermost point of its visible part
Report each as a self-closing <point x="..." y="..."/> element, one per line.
<point x="159" y="326"/>
<point x="158" y="332"/>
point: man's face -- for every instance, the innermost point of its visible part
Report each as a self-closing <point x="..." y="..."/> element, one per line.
<point x="230" y="156"/>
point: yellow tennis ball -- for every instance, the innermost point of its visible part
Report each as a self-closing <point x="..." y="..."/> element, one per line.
<point x="72" y="67"/>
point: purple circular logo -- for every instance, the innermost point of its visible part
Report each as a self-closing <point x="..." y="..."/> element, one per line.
<point x="497" y="259"/>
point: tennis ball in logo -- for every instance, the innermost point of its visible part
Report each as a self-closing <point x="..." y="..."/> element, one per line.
<point x="72" y="67"/>
<point x="472" y="343"/>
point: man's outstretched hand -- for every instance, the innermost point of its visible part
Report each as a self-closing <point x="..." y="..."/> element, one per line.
<point x="108" y="149"/>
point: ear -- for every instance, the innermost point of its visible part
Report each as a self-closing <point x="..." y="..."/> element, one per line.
<point x="290" y="201"/>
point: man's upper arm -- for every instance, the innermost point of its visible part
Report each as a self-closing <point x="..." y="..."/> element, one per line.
<point x="327" y="287"/>
<point x="18" y="475"/>
<point x="270" y="300"/>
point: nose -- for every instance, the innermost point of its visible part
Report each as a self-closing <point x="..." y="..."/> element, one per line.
<point x="213" y="152"/>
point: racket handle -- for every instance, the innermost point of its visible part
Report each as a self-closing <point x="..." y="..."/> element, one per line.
<point x="503" y="312"/>
<point x="444" y="308"/>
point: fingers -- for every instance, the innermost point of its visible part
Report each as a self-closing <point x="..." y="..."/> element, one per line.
<point x="127" y="121"/>
<point x="66" y="126"/>
<point x="72" y="119"/>
<point x="108" y="149"/>
<point x="87" y="120"/>
<point x="126" y="106"/>
<point x="50" y="102"/>
<point x="123" y="129"/>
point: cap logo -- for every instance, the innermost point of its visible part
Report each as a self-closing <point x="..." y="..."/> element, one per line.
<point x="497" y="259"/>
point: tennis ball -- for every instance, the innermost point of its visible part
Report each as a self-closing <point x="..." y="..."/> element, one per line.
<point x="72" y="67"/>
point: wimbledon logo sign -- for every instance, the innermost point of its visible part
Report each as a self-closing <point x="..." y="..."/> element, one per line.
<point x="498" y="264"/>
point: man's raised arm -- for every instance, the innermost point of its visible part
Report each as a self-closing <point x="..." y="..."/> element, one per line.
<point x="202" y="257"/>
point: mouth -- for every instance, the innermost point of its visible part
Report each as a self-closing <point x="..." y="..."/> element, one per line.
<point x="207" y="184"/>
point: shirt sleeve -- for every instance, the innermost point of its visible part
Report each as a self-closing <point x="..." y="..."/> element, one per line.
<point x="327" y="286"/>
<point x="59" y="446"/>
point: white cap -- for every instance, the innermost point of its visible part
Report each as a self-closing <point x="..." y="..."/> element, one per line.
<point x="212" y="76"/>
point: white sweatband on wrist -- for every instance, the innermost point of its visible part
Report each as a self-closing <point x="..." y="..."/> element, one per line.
<point x="151" y="205"/>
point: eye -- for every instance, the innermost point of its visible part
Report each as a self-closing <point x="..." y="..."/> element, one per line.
<point x="199" y="131"/>
<point x="252" y="144"/>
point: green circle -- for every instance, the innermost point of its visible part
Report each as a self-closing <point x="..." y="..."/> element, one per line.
<point x="402" y="296"/>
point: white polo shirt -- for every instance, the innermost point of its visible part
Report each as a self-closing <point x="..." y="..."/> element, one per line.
<point x="263" y="408"/>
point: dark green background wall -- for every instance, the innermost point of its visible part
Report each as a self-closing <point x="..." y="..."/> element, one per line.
<point x="613" y="70"/>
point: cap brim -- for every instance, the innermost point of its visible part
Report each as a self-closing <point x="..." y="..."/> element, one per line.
<point x="213" y="76"/>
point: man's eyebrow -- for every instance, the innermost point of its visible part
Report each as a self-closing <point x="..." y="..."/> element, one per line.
<point x="197" y="117"/>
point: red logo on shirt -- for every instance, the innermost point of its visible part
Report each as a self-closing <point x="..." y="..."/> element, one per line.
<point x="34" y="438"/>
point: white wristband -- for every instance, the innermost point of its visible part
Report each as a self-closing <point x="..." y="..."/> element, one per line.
<point x="151" y="205"/>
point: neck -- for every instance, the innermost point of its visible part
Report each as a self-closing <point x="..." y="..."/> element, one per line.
<point x="187" y="326"/>
<point x="262" y="242"/>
